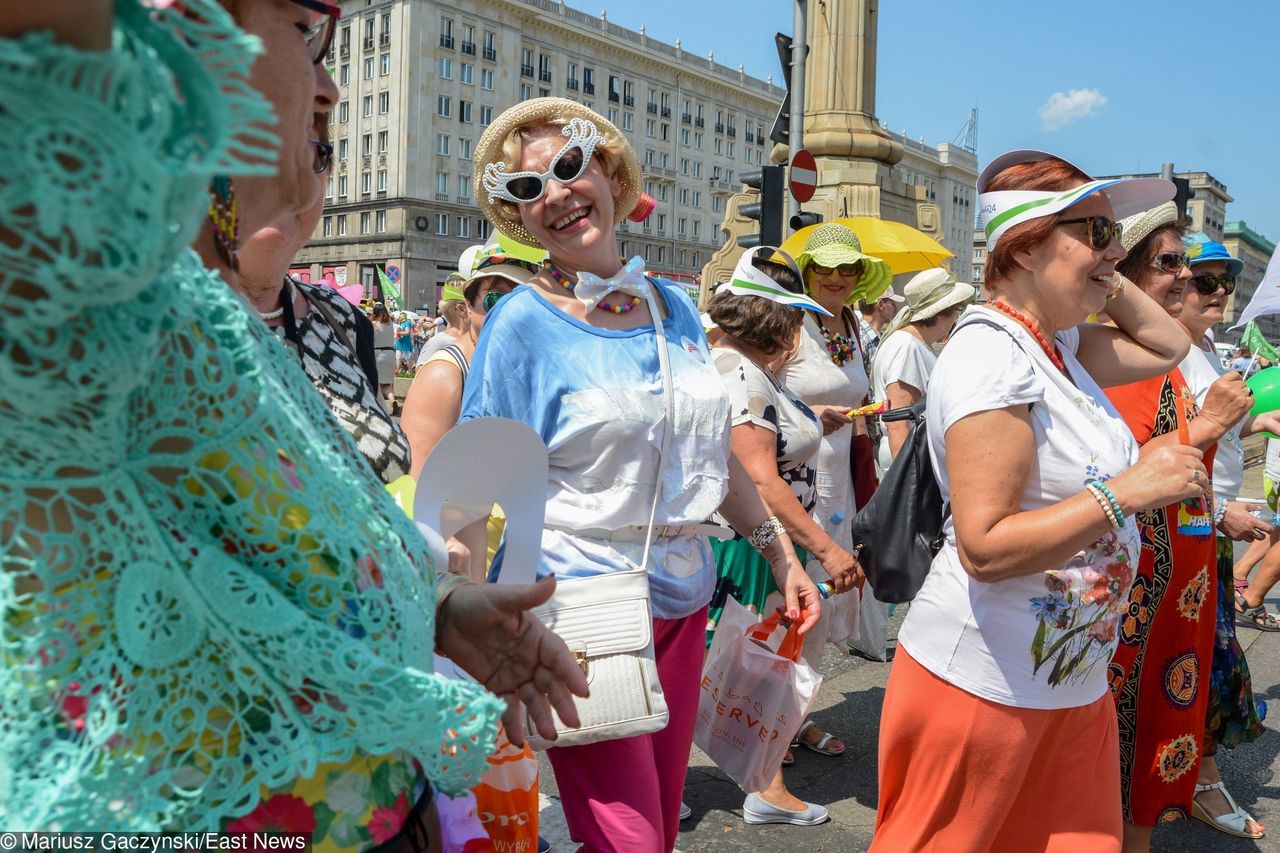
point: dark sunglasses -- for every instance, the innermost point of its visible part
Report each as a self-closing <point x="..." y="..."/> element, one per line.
<point x="320" y="36"/>
<point x="846" y="270"/>
<point x="1207" y="285"/>
<point x="526" y="187"/>
<point x="1170" y="262"/>
<point x="492" y="298"/>
<point x="324" y="155"/>
<point x="1100" y="230"/>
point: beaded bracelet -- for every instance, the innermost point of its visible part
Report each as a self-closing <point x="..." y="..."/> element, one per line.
<point x="1219" y="511"/>
<point x="764" y="535"/>
<point x="1103" y="494"/>
<point x="1104" y="503"/>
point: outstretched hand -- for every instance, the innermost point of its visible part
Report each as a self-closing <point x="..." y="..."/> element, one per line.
<point x="488" y="631"/>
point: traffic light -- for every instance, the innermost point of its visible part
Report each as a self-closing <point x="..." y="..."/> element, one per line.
<point x="768" y="211"/>
<point x="804" y="220"/>
<point x="1184" y="194"/>
<point x="780" y="131"/>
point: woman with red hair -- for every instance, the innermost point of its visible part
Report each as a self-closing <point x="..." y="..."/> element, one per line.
<point x="1014" y="627"/>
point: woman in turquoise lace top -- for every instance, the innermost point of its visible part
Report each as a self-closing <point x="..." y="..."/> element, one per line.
<point x="205" y="593"/>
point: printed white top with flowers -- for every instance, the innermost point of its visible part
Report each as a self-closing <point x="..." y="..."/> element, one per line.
<point x="1043" y="640"/>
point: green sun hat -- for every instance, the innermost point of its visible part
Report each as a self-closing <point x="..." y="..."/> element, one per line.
<point x="452" y="290"/>
<point x="833" y="244"/>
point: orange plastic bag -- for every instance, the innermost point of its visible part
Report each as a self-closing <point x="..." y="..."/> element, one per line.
<point x="507" y="798"/>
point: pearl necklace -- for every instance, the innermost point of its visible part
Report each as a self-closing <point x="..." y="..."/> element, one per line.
<point x="564" y="281"/>
<point x="286" y="292"/>
<point x="1034" y="329"/>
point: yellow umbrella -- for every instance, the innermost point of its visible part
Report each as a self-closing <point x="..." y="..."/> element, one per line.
<point x="903" y="248"/>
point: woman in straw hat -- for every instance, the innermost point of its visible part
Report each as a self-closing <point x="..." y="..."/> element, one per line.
<point x="1017" y="620"/>
<point x="1160" y="672"/>
<point x="576" y="356"/>
<point x="903" y="362"/>
<point x="829" y="372"/>
<point x="776" y="436"/>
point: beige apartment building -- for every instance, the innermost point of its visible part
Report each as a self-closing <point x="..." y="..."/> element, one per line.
<point x="949" y="176"/>
<point x="420" y="81"/>
<point x="1207" y="210"/>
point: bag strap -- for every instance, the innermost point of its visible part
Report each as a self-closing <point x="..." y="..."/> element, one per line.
<point x="669" y="410"/>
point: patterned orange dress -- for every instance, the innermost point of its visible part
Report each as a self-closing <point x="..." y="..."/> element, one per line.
<point x="1159" y="675"/>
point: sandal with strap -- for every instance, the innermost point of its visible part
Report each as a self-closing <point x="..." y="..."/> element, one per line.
<point x="823" y="746"/>
<point x="1254" y="617"/>
<point x="1233" y="822"/>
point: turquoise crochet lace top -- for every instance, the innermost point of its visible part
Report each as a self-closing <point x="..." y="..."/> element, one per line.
<point x="204" y="589"/>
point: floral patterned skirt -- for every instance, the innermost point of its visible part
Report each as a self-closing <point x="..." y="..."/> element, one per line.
<point x="1159" y="675"/>
<point x="1234" y="715"/>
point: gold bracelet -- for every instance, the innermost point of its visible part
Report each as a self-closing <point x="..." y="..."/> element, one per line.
<point x="1118" y="289"/>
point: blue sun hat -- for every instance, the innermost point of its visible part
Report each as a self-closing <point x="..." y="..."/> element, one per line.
<point x="1201" y="248"/>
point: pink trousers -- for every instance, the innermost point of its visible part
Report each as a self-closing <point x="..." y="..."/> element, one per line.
<point x="624" y="795"/>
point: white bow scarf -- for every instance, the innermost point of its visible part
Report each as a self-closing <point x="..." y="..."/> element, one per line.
<point x="630" y="280"/>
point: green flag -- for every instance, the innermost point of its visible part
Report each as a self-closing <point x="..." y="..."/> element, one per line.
<point x="1257" y="344"/>
<point x="389" y="290"/>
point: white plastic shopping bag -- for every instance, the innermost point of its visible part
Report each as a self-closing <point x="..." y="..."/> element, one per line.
<point x="756" y="691"/>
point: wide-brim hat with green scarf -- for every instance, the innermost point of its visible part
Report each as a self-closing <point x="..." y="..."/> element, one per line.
<point x="832" y="245"/>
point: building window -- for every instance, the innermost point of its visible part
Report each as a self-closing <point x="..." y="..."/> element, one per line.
<point x="526" y="62"/>
<point x="444" y="106"/>
<point x="366" y="183"/>
<point x="490" y="49"/>
<point x="446" y="68"/>
<point x="466" y="73"/>
<point x="588" y="81"/>
<point x="695" y="228"/>
<point x="613" y="114"/>
<point x="446" y="33"/>
<point x="442" y="144"/>
<point x="382" y="141"/>
<point x="342" y="225"/>
<point x="715" y="203"/>
<point x="382" y="180"/>
<point x="366" y="144"/>
<point x="526" y="91"/>
<point x="544" y="68"/>
<point x="342" y="148"/>
<point x="571" y="77"/>
<point x="364" y="222"/>
<point x="442" y="224"/>
<point x="344" y="74"/>
<point x="662" y="221"/>
<point x="684" y="198"/>
<point x="327" y="226"/>
<point x="662" y="254"/>
<point x="442" y="183"/>
<point x="368" y="68"/>
<point x="464" y="111"/>
<point x="464" y="226"/>
<point x="464" y="187"/>
<point x="666" y="132"/>
<point x="367" y="103"/>
<point x="697" y="200"/>
<point x="343" y="112"/>
<point x="342" y="186"/>
<point x="380" y="221"/>
<point x="650" y="126"/>
<point x="385" y="64"/>
<point x="482" y="229"/>
<point x="384" y="103"/>
<point x="486" y="115"/>
<point x="626" y="121"/>
<point x="697" y="141"/>
<point x="469" y="39"/>
<point x="697" y="169"/>
<point x="682" y="227"/>
<point x="464" y="148"/>
<point x="486" y="79"/>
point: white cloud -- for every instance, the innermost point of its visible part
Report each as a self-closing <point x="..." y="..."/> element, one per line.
<point x="1062" y="108"/>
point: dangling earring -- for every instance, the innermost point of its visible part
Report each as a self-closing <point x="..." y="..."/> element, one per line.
<point x="224" y="222"/>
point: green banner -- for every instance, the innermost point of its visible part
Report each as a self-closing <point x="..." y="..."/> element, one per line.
<point x="389" y="291"/>
<point x="1257" y="344"/>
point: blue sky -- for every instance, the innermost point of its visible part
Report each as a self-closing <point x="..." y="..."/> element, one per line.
<point x="1136" y="84"/>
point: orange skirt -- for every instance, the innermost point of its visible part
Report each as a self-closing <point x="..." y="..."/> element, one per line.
<point x="961" y="774"/>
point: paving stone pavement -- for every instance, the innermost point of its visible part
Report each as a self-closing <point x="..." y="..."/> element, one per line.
<point x="849" y="705"/>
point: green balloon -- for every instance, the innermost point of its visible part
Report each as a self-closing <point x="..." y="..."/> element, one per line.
<point x="1265" y="385"/>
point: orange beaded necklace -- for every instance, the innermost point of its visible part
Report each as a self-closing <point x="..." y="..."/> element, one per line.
<point x="1034" y="329"/>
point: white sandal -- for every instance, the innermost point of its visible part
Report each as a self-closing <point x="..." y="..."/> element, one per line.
<point x="821" y="746"/>
<point x="1233" y="822"/>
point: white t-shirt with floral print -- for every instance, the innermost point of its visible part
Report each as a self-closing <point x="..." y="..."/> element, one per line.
<point x="1043" y="640"/>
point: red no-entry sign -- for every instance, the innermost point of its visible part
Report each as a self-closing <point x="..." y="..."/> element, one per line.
<point x="803" y="176"/>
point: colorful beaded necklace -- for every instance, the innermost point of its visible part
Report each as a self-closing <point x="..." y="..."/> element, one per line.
<point x="565" y="282"/>
<point x="839" y="346"/>
<point x="1034" y="329"/>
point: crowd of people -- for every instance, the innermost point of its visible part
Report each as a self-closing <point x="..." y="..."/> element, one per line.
<point x="216" y="617"/>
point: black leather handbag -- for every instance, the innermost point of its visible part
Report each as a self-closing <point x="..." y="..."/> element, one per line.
<point x="899" y="531"/>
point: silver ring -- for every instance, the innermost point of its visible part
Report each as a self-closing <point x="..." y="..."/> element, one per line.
<point x="1195" y="477"/>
